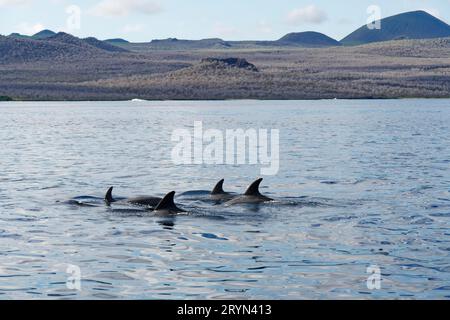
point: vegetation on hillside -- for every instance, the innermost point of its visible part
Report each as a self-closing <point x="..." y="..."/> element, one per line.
<point x="397" y="69"/>
<point x="59" y="66"/>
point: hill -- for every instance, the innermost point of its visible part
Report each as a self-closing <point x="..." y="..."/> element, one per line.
<point x="179" y="44"/>
<point x="87" y="43"/>
<point x="302" y="39"/>
<point x="409" y="25"/>
<point x="18" y="36"/>
<point x="225" y="63"/>
<point x="308" y="39"/>
<point x="62" y="37"/>
<point x="64" y="67"/>
<point x="378" y="70"/>
<point x="104" y="45"/>
<point x="116" y="41"/>
<point x="43" y="34"/>
<point x="59" y="46"/>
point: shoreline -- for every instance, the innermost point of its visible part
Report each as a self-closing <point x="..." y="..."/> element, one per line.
<point x="229" y="100"/>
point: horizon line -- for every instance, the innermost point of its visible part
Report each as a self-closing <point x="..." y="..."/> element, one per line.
<point x="219" y="38"/>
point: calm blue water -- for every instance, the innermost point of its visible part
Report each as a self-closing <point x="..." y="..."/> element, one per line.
<point x="360" y="183"/>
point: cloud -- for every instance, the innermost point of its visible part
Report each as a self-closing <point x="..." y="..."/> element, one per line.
<point x="29" y="29"/>
<point x="12" y="3"/>
<point x="124" y="7"/>
<point x="308" y="14"/>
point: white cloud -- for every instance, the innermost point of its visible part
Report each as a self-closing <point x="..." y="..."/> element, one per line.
<point x="29" y="29"/>
<point x="124" y="7"/>
<point x="308" y="14"/>
<point x="11" y="3"/>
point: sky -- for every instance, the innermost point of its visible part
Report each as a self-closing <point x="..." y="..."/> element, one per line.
<point x="144" y="20"/>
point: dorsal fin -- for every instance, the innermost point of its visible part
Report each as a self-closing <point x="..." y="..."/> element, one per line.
<point x="108" y="197"/>
<point x="167" y="202"/>
<point x="253" y="190"/>
<point x="218" y="189"/>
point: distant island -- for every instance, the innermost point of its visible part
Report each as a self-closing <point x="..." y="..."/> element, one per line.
<point x="408" y="57"/>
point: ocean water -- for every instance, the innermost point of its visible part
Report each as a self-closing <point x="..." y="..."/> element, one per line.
<point x="362" y="186"/>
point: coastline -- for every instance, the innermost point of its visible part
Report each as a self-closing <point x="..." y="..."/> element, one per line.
<point x="232" y="100"/>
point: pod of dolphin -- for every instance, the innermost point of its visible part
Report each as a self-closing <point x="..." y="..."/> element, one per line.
<point x="166" y="205"/>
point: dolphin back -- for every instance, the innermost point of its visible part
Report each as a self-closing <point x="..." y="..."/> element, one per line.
<point x="218" y="189"/>
<point x="167" y="203"/>
<point x="253" y="189"/>
<point x="108" y="197"/>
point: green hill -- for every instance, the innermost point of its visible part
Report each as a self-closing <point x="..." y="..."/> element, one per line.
<point x="44" y="34"/>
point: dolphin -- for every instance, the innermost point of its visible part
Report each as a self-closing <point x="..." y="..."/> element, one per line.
<point x="218" y="194"/>
<point x="252" y="195"/>
<point x="167" y="206"/>
<point x="145" y="201"/>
